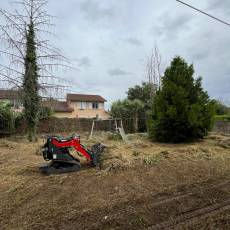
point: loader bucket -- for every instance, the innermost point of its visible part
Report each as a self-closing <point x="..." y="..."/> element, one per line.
<point x="96" y="151"/>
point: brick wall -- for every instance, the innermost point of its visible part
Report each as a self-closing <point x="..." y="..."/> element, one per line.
<point x="56" y="125"/>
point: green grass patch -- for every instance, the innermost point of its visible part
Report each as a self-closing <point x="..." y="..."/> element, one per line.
<point x="156" y="158"/>
<point x="114" y="137"/>
<point x="222" y="118"/>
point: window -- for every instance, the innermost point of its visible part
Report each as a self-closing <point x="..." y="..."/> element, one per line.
<point x="82" y="105"/>
<point x="95" y="105"/>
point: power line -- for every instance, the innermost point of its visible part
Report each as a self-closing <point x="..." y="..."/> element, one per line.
<point x="209" y="15"/>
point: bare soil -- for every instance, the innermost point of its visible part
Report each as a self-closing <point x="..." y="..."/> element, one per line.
<point x="140" y="185"/>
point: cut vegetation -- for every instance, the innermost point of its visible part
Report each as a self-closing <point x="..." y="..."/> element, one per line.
<point x="141" y="184"/>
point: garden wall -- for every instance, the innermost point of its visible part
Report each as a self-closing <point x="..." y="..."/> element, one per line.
<point x="54" y="125"/>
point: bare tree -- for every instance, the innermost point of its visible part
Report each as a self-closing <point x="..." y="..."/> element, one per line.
<point x="153" y="70"/>
<point x="31" y="58"/>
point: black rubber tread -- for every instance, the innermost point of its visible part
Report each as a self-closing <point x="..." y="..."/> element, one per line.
<point x="48" y="170"/>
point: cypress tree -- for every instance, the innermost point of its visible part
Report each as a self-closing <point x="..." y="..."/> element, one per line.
<point x="182" y="110"/>
<point x="31" y="98"/>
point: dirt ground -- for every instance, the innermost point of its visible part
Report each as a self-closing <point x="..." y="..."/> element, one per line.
<point x="141" y="185"/>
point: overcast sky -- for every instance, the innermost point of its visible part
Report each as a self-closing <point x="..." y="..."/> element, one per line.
<point x="108" y="40"/>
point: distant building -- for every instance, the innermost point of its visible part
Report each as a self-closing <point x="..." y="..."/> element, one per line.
<point x="75" y="106"/>
<point x="82" y="106"/>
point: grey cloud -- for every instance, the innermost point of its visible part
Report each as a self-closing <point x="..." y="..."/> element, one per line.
<point x="175" y="28"/>
<point x="172" y="25"/>
<point x="210" y="44"/>
<point x="198" y="55"/>
<point x="94" y="11"/>
<point x="134" y="41"/>
<point x="83" y="62"/>
<point x="223" y="5"/>
<point x="118" y="72"/>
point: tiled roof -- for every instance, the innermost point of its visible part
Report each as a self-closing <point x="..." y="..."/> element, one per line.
<point x="9" y="94"/>
<point x="58" y="106"/>
<point x="85" y="98"/>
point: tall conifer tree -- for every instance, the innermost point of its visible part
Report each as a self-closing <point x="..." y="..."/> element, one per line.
<point x="181" y="110"/>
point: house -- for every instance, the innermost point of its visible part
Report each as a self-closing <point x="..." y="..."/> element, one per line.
<point x="82" y="106"/>
<point x="75" y="106"/>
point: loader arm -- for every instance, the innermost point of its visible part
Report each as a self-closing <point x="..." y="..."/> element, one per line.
<point x="75" y="144"/>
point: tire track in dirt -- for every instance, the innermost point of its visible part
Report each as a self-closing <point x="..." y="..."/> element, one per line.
<point x="192" y="217"/>
<point x="148" y="211"/>
<point x="131" y="210"/>
<point x="180" y="195"/>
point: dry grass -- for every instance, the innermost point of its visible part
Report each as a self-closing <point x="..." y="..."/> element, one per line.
<point x="133" y="174"/>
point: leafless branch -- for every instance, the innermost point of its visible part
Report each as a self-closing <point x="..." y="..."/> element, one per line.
<point x="13" y="81"/>
<point x="153" y="70"/>
<point x="13" y="35"/>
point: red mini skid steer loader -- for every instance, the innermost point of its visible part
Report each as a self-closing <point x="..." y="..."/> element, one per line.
<point x="56" y="150"/>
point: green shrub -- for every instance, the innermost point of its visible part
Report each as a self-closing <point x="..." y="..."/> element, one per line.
<point x="182" y="110"/>
<point x="220" y="108"/>
<point x="45" y="112"/>
<point x="6" y="118"/>
<point x="19" y="119"/>
<point x="114" y="137"/>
